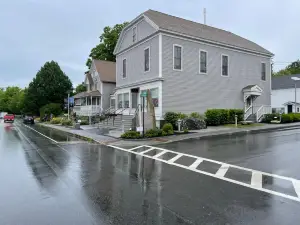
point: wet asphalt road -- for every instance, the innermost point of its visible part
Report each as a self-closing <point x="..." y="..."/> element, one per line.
<point x="74" y="182"/>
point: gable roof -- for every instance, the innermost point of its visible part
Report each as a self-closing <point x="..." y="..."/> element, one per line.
<point x="106" y="70"/>
<point x="186" y="27"/>
<point x="284" y="82"/>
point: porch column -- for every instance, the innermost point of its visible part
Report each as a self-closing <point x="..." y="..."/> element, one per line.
<point x="91" y="100"/>
<point x="252" y="104"/>
<point x="86" y="103"/>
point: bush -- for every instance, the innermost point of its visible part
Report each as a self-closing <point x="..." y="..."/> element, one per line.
<point x="131" y="135"/>
<point x="215" y="117"/>
<point x="55" y="121"/>
<point x="269" y="117"/>
<point x="197" y="116"/>
<point x="66" y="122"/>
<point x="153" y="133"/>
<point x="53" y="108"/>
<point x="172" y="118"/>
<point x="296" y="117"/>
<point x="164" y="133"/>
<point x="182" y="116"/>
<point x="193" y="124"/>
<point x="286" y="118"/>
<point x="185" y="130"/>
<point x="170" y="132"/>
<point x="37" y="119"/>
<point x="167" y="127"/>
<point x="84" y="122"/>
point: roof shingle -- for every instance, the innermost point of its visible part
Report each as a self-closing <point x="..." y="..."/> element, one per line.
<point x="198" y="30"/>
<point x="106" y="70"/>
<point x="284" y="82"/>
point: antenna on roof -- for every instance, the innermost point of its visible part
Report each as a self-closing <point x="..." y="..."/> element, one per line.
<point x="204" y="14"/>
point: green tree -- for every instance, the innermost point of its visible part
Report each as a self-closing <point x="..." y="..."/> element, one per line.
<point x="108" y="41"/>
<point x="293" y="68"/>
<point x="50" y="85"/>
<point x="12" y="100"/>
<point x="80" y="88"/>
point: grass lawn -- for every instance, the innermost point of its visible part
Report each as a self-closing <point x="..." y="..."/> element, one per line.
<point x="243" y="126"/>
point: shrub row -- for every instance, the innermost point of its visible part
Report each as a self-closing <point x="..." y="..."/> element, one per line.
<point x="172" y="117"/>
<point x="285" y="118"/>
<point x="64" y="122"/>
<point x="215" y="117"/>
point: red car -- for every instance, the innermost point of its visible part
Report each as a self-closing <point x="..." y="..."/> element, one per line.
<point x="9" y="117"/>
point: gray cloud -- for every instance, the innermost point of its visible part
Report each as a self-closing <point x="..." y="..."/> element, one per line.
<point x="35" y="31"/>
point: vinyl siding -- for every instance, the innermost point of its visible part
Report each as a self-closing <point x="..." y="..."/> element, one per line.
<point x="281" y="96"/>
<point x="108" y="89"/>
<point x="188" y="91"/>
<point x="144" y="29"/>
<point x="135" y="63"/>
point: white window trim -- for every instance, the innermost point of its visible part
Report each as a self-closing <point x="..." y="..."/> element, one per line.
<point x="201" y="50"/>
<point x="136" y="37"/>
<point x="263" y="62"/>
<point x="174" y="45"/>
<point x="222" y="65"/>
<point x="147" y="71"/>
<point x="123" y="68"/>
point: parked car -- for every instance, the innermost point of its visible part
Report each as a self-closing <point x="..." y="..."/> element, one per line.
<point x="28" y="119"/>
<point x="9" y="118"/>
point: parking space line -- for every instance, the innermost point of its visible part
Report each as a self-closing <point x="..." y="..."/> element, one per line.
<point x="136" y="147"/>
<point x="196" y="163"/>
<point x="148" y="150"/>
<point x="175" y="158"/>
<point x="222" y="170"/>
<point x="220" y="175"/>
<point x="160" y="154"/>
<point x="256" y="179"/>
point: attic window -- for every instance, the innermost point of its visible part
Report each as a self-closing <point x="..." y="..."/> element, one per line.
<point x="134" y="34"/>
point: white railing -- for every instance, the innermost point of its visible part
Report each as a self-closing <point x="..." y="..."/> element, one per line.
<point x="248" y="112"/>
<point x="87" y="110"/>
<point x="264" y="109"/>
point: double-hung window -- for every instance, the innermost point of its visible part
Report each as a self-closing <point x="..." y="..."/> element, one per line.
<point x="203" y="61"/>
<point x="225" y="65"/>
<point x="147" y="59"/>
<point x="263" y="71"/>
<point x="124" y="68"/>
<point x="177" y="60"/>
<point x="134" y="34"/>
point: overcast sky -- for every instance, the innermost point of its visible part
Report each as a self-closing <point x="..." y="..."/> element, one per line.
<point x="35" y="31"/>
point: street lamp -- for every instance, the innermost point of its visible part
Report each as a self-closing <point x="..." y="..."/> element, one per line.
<point x="295" y="79"/>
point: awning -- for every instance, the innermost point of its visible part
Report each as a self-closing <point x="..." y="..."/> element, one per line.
<point x="88" y="94"/>
<point x="252" y="90"/>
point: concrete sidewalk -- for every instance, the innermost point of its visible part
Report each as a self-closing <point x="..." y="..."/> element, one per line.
<point x="89" y="132"/>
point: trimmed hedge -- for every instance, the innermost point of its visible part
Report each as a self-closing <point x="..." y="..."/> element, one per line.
<point x="285" y="118"/>
<point x="215" y="117"/>
<point x="269" y="117"/>
<point x="167" y="128"/>
<point x="131" y="135"/>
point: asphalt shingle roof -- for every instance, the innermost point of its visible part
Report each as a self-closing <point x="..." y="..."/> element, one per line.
<point x="284" y="82"/>
<point x="106" y="70"/>
<point x="198" y="30"/>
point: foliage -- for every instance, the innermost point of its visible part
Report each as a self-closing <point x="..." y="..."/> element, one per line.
<point x="153" y="133"/>
<point x="293" y="68"/>
<point x="163" y="133"/>
<point x="172" y="118"/>
<point x="269" y="117"/>
<point x="84" y="122"/>
<point x="12" y="100"/>
<point x="197" y="115"/>
<point x="37" y="119"/>
<point x="56" y="120"/>
<point x="80" y="88"/>
<point x="52" y="108"/>
<point x="215" y="117"/>
<point x="108" y="42"/>
<point x="167" y="127"/>
<point x="193" y="124"/>
<point x="185" y="130"/>
<point x="131" y="135"/>
<point x="286" y="118"/>
<point x="67" y="122"/>
<point x="51" y="84"/>
<point x="182" y="116"/>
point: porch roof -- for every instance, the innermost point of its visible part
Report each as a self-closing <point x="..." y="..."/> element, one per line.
<point x="253" y="89"/>
<point x="291" y="103"/>
<point x="88" y="94"/>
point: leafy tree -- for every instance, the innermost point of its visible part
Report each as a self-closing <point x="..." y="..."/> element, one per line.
<point x="80" y="88"/>
<point x="50" y="85"/>
<point x="293" y="68"/>
<point x="12" y="100"/>
<point x="108" y="41"/>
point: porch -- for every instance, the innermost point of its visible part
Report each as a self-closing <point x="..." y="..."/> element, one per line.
<point x="87" y="103"/>
<point x="254" y="111"/>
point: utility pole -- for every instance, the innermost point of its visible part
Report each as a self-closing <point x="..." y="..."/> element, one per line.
<point x="68" y="106"/>
<point x="204" y="14"/>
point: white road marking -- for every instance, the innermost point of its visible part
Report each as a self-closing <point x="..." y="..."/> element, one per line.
<point x="160" y="154"/>
<point x="196" y="163"/>
<point x="256" y="179"/>
<point x="222" y="170"/>
<point x="136" y="147"/>
<point x="296" y="184"/>
<point x="175" y="158"/>
<point x="171" y="162"/>
<point x="148" y="150"/>
<point x="40" y="133"/>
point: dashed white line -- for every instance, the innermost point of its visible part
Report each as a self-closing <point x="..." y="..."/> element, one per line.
<point x="222" y="170"/>
<point x="256" y="179"/>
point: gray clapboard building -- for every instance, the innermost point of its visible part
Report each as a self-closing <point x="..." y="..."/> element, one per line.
<point x="190" y="67"/>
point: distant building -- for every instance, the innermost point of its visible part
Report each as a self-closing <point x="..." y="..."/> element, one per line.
<point x="283" y="94"/>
